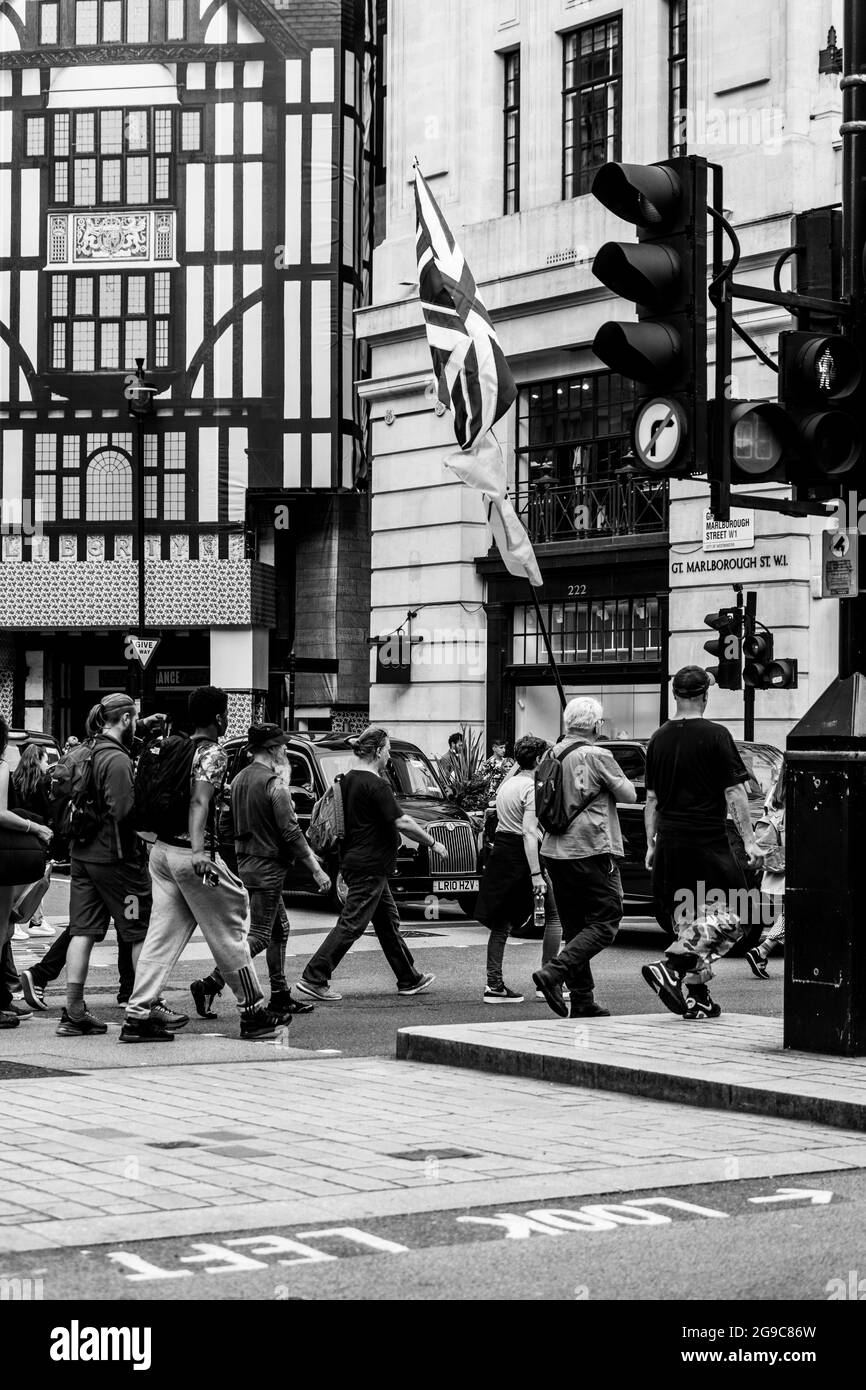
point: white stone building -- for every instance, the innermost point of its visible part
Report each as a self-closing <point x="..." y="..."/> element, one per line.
<point x="481" y="93"/>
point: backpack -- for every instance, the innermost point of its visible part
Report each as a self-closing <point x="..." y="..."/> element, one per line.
<point x="770" y="836"/>
<point x="327" y="827"/>
<point x="550" y="807"/>
<point x="162" y="787"/>
<point x="71" y="795"/>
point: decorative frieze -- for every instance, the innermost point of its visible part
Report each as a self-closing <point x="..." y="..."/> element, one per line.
<point x="77" y="240"/>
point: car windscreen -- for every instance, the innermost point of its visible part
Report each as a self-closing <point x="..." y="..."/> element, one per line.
<point x="413" y="776"/>
<point x="763" y="763"/>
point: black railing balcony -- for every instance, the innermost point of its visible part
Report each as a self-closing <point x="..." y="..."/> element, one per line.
<point x="628" y="506"/>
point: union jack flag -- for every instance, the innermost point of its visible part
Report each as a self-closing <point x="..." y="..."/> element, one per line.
<point x="475" y="380"/>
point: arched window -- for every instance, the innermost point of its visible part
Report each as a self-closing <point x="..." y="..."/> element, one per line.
<point x="109" y="486"/>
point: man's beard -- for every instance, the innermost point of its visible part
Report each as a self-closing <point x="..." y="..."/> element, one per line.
<point x="127" y="738"/>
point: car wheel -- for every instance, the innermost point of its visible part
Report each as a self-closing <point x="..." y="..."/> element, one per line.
<point x="467" y="902"/>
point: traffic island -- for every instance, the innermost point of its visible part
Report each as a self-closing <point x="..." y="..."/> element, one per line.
<point x="736" y="1062"/>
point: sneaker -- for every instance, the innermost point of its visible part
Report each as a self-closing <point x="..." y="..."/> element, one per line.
<point x="261" y="1023"/>
<point x="551" y="992"/>
<point x="19" y="934"/>
<point x="282" y="1004"/>
<point x="33" y="993"/>
<point x="19" y="1007"/>
<point x="423" y="984"/>
<point x="566" y="994"/>
<point x="139" y="1030"/>
<point x="757" y="964"/>
<point x="79" y="1027"/>
<point x="203" y="995"/>
<point x="501" y="994"/>
<point x="43" y="928"/>
<point x="323" y="993"/>
<point x="172" y="1022"/>
<point x="588" y="1011"/>
<point x="666" y="985"/>
<point x="8" y="1019"/>
<point x="699" y="1005"/>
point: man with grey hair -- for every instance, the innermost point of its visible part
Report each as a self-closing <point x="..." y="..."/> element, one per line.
<point x="581" y="861"/>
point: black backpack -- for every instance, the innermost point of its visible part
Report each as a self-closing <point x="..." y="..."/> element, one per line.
<point x="550" y="807"/>
<point x="75" y="816"/>
<point x="162" y="786"/>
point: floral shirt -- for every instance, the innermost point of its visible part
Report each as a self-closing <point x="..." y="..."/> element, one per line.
<point x="494" y="771"/>
<point x="209" y="764"/>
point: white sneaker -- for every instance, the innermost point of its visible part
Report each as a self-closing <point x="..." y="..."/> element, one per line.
<point x="20" y="934"/>
<point x="566" y="994"/>
<point x="43" y="928"/>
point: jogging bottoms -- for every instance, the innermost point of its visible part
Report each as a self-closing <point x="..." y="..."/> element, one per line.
<point x="180" y="901"/>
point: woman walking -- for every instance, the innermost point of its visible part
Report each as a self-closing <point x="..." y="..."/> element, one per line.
<point x="10" y="1012"/>
<point x="512" y="875"/>
<point x="30" y="783"/>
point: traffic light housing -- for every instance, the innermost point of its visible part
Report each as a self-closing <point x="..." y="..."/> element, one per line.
<point x="665" y="275"/>
<point x="728" y="623"/>
<point x="822" y="387"/>
<point x="761" y="670"/>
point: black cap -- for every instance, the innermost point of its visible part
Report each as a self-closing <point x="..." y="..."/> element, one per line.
<point x="261" y="736"/>
<point x="691" y="681"/>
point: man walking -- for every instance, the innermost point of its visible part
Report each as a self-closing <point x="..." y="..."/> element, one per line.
<point x="694" y="776"/>
<point x="267" y="840"/>
<point x="192" y="884"/>
<point x="581" y="862"/>
<point x="374" y="823"/>
<point x="108" y="875"/>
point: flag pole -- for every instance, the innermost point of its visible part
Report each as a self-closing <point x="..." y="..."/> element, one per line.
<point x="551" y="658"/>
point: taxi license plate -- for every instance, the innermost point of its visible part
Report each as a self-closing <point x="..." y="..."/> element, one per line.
<point x="455" y="885"/>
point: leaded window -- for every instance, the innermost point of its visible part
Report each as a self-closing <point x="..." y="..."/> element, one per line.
<point x="591" y="104"/>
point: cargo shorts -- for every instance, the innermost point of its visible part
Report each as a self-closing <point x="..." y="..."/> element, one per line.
<point x="100" y="892"/>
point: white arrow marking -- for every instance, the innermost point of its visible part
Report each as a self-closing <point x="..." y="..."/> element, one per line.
<point x="797" y="1194"/>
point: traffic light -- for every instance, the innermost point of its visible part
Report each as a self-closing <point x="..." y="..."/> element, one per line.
<point x="761" y="671"/>
<point x="728" y="623"/>
<point x="665" y="275"/>
<point x="821" y="387"/>
<point x="761" y="442"/>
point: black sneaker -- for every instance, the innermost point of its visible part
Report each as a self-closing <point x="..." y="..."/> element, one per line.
<point x="8" y="1019"/>
<point x="261" y="1023"/>
<point x="172" y="1022"/>
<point x="501" y="994"/>
<point x="141" y="1030"/>
<point x="699" y="1005"/>
<point x="285" y="1007"/>
<point x="203" y="994"/>
<point x="79" y="1027"/>
<point x="588" y="1011"/>
<point x="757" y="964"/>
<point x="666" y="985"/>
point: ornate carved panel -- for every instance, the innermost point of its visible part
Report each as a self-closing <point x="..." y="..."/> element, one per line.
<point x="82" y="239"/>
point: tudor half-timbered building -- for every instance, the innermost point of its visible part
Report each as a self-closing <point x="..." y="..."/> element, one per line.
<point x="183" y="182"/>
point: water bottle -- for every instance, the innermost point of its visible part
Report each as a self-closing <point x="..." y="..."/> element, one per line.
<point x="539" y="918"/>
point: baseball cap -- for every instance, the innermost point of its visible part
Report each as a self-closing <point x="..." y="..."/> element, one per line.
<point x="261" y="736"/>
<point x="691" y="681"/>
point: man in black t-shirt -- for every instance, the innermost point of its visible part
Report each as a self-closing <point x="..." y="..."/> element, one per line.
<point x="694" y="778"/>
<point x="374" y="823"/>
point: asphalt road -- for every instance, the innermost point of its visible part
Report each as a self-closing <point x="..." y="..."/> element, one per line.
<point x="367" y="1019"/>
<point x="683" y="1244"/>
